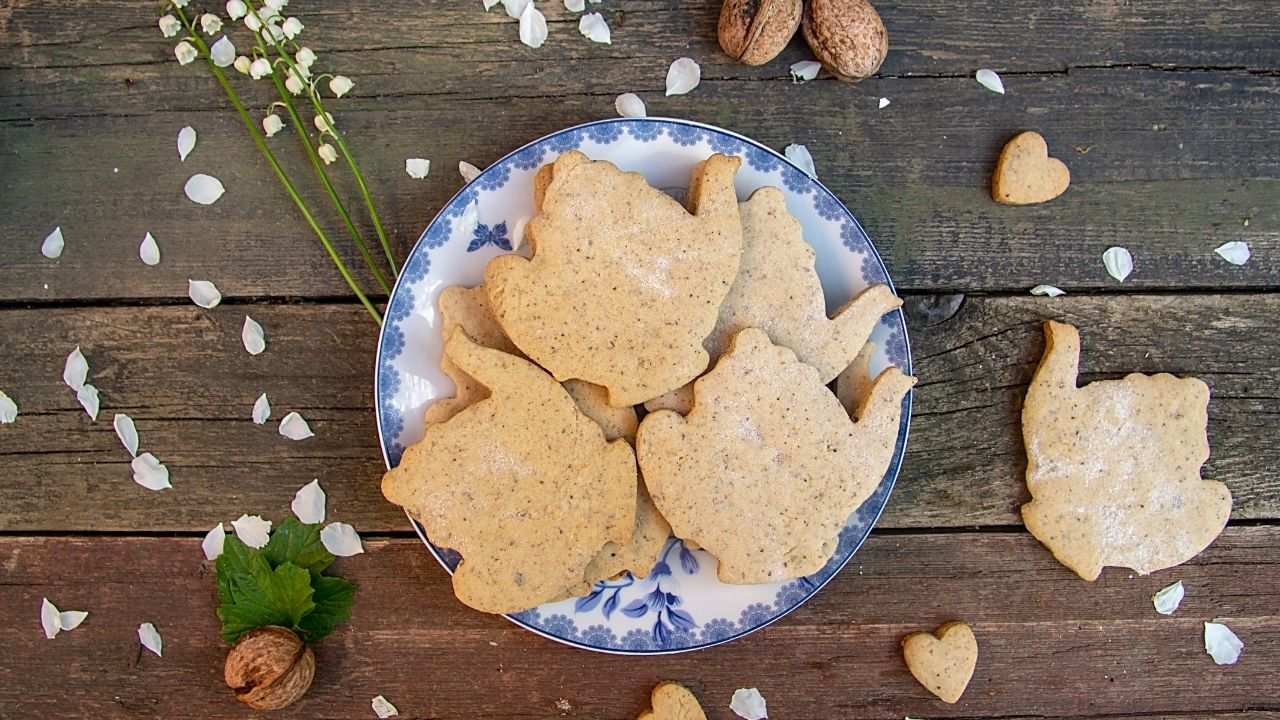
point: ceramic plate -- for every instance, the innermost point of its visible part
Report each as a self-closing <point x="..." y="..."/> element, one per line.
<point x="680" y="605"/>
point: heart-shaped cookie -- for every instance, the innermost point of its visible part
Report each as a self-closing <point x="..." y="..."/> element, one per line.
<point x="942" y="660"/>
<point x="672" y="701"/>
<point x="1026" y="175"/>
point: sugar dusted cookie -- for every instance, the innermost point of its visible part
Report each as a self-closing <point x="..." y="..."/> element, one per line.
<point x="672" y="701"/>
<point x="466" y="308"/>
<point x="522" y="484"/>
<point x="1114" y="467"/>
<point x="943" y="660"/>
<point x="624" y="283"/>
<point x="1026" y="175"/>
<point x="767" y="447"/>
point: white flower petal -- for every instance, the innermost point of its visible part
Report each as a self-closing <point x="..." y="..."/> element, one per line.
<point x="382" y="707"/>
<point x="292" y="27"/>
<point x="1222" y="644"/>
<point x="203" y="189"/>
<point x="308" y="503"/>
<point x="8" y="409"/>
<point x="327" y="153"/>
<point x="748" y="703"/>
<point x="1048" y="290"/>
<point x="533" y="27"/>
<point x="800" y="157"/>
<point x="1119" y="262"/>
<point x="203" y="293"/>
<point x="261" y="410"/>
<point x="253" y="22"/>
<point x="272" y="124"/>
<point x="468" y="171"/>
<point x="575" y="5"/>
<point x="517" y="234"/>
<point x="341" y="85"/>
<point x="324" y="123"/>
<point x="252" y="530"/>
<point x="180" y="3"/>
<point x="213" y="542"/>
<point x="305" y="57"/>
<point x="71" y="619"/>
<point x="1234" y="252"/>
<point x="683" y="76"/>
<point x="127" y="433"/>
<point x="629" y="105"/>
<point x="259" y="68"/>
<point x="515" y="8"/>
<point x="53" y="244"/>
<point x="210" y="23"/>
<point x="76" y="369"/>
<point x="150" y="473"/>
<point x="341" y="539"/>
<point x="49" y="619"/>
<point x="989" y="80"/>
<point x="489" y="4"/>
<point x="149" y="251"/>
<point x="88" y="397"/>
<point x="223" y="52"/>
<point x="186" y="142"/>
<point x="185" y="52"/>
<point x="251" y="336"/>
<point x="150" y="638"/>
<point x="170" y="26"/>
<point x="243" y="64"/>
<point x="805" y="70"/>
<point x="417" y="167"/>
<point x="1168" y="599"/>
<point x="594" y="28"/>
<point x="294" y="84"/>
<point x="236" y="9"/>
<point x="884" y="103"/>
<point x="294" y="427"/>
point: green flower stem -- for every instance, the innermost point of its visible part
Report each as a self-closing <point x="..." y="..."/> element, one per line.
<point x="261" y="142"/>
<point x="287" y="99"/>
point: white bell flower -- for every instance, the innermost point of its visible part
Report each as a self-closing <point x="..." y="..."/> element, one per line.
<point x="169" y="25"/>
<point x="242" y="64"/>
<point x="180" y="3"/>
<point x="253" y="22"/>
<point x="305" y="57"/>
<point x="327" y="153"/>
<point x="185" y="52"/>
<point x="341" y="85"/>
<point x="223" y="53"/>
<point x="272" y="124"/>
<point x="260" y="68"/>
<point x="210" y="23"/>
<point x="294" y="84"/>
<point x="324" y="123"/>
<point x="236" y="9"/>
<point x="292" y="28"/>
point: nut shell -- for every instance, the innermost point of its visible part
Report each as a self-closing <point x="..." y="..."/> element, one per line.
<point x="269" y="668"/>
<point x="847" y="36"/>
<point x="755" y="31"/>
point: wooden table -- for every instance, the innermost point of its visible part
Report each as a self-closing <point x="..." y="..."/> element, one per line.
<point x="1168" y="115"/>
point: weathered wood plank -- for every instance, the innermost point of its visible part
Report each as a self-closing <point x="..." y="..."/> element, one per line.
<point x="1051" y="644"/>
<point x="1167" y="164"/>
<point x="181" y="373"/>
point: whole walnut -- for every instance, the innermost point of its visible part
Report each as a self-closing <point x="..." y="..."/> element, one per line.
<point x="755" y="31"/>
<point x="846" y="36"/>
<point x="269" y="668"/>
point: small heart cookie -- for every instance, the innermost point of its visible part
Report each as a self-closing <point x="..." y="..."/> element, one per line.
<point x="942" y="660"/>
<point x="672" y="701"/>
<point x="1026" y="175"/>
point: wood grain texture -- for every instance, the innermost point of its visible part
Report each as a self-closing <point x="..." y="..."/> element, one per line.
<point x="183" y="376"/>
<point x="836" y="657"/>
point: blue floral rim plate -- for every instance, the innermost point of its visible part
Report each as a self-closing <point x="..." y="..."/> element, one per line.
<point x="680" y="605"/>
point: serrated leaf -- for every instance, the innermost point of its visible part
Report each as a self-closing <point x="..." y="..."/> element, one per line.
<point x="299" y="543"/>
<point x="332" y="597"/>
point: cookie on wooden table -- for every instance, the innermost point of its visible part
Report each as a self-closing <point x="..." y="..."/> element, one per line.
<point x="672" y="701"/>
<point x="943" y="660"/>
<point x="1026" y="175"/>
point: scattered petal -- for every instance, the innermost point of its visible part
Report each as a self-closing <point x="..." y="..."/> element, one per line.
<point x="748" y="703"/>
<point x="1119" y="262"/>
<point x="236" y="9"/>
<point x="1168" y="599"/>
<point x="261" y="67"/>
<point x="989" y="80"/>
<point x="203" y="189"/>
<point x="71" y="619"/>
<point x="382" y="707"/>
<point x="1220" y="643"/>
<point x="243" y="64"/>
<point x="341" y="85"/>
<point x="170" y="26"/>
<point x="203" y="293"/>
<point x="185" y="52"/>
<point x="884" y="103"/>
<point x="308" y="503"/>
<point x="8" y="409"/>
<point x="1234" y="252"/>
<point x="272" y="124"/>
<point x="150" y="638"/>
<point x="629" y="105"/>
<point x="251" y="336"/>
<point x="1048" y="290"/>
<point x="327" y="153"/>
<point x="341" y="539"/>
<point x="324" y="123"/>
<point x="517" y="234"/>
<point x="213" y="542"/>
<point x="533" y="26"/>
<point x="573" y="5"/>
<point x="88" y="397"/>
<point x="186" y="142"/>
<point x="223" y="53"/>
<point x="417" y="167"/>
<point x="53" y="244"/>
<point x="150" y="473"/>
<point x="489" y="4"/>
<point x="127" y="433"/>
<point x="468" y="171"/>
<point x="149" y="251"/>
<point x="805" y="70"/>
<point x="594" y="28"/>
<point x="261" y="410"/>
<point x="49" y="619"/>
<point x="295" y="428"/>
<point x="252" y="530"/>
<point x="515" y="8"/>
<point x="800" y="157"/>
<point x="76" y="369"/>
<point x="305" y="57"/>
<point x="210" y="23"/>
<point x="683" y="76"/>
<point x="292" y="27"/>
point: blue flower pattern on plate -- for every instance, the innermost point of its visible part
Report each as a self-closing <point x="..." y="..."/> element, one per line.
<point x="656" y="600"/>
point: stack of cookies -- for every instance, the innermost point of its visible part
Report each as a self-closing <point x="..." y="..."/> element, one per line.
<point x="708" y="321"/>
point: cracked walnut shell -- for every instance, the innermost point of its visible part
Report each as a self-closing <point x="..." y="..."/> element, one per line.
<point x="753" y="32"/>
<point x="846" y="36"/>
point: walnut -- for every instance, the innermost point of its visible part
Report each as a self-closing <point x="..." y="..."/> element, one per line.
<point x="269" y="668"/>
<point x="847" y="37"/>
<point x="755" y="31"/>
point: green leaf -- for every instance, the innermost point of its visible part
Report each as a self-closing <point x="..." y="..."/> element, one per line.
<point x="236" y="562"/>
<point x="333" y="597"/>
<point x="299" y="543"/>
<point x="262" y="596"/>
